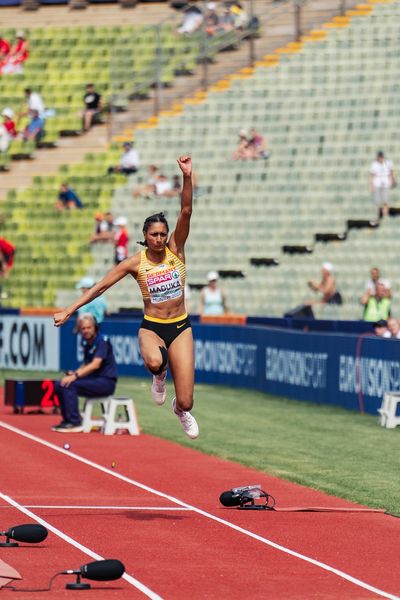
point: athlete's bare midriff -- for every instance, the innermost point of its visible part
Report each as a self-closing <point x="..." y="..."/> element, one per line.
<point x="165" y="310"/>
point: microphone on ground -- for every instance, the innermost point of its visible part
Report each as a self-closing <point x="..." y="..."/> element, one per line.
<point x="99" y="570"/>
<point x="31" y="534"/>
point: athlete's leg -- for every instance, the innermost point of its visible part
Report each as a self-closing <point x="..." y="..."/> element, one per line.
<point x="150" y="344"/>
<point x="155" y="357"/>
<point x="181" y="364"/>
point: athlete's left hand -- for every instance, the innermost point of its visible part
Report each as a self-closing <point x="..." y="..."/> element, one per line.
<point x="185" y="164"/>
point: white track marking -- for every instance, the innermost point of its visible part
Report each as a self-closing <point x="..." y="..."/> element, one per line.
<point x="74" y="507"/>
<point x="137" y="584"/>
<point x="208" y="515"/>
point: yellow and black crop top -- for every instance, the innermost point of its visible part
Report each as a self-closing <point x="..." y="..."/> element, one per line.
<point x="163" y="281"/>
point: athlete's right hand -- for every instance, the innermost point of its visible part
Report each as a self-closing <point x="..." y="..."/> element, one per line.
<point x="60" y="318"/>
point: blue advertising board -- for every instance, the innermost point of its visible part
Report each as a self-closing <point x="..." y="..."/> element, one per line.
<point x="352" y="371"/>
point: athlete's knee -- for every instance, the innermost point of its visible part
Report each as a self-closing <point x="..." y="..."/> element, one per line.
<point x="158" y="361"/>
<point x="184" y="401"/>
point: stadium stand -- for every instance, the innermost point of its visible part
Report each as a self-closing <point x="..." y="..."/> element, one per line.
<point x="325" y="105"/>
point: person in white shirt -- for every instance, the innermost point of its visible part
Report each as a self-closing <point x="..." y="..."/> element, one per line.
<point x="35" y="102"/>
<point x="381" y="180"/>
<point x="129" y="162"/>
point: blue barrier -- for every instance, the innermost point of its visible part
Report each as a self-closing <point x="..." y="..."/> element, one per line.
<point x="345" y="370"/>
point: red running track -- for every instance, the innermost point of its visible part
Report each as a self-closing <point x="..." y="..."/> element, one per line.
<point x="192" y="548"/>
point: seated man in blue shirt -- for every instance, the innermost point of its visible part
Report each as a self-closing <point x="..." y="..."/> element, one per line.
<point x="96" y="377"/>
<point x="67" y="198"/>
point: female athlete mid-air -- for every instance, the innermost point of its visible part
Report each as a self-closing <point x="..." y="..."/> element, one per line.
<point x="165" y="334"/>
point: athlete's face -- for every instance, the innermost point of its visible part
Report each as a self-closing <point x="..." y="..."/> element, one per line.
<point x="156" y="236"/>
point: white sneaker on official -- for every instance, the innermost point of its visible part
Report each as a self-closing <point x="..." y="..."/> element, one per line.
<point x="187" y="420"/>
<point x="159" y="388"/>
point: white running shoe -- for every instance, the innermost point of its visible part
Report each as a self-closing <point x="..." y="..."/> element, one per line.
<point x="187" y="420"/>
<point x="159" y="388"/>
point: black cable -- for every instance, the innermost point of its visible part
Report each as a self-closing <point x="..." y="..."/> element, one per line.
<point x="48" y="589"/>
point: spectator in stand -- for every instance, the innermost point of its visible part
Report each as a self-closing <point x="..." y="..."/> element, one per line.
<point x="9" y="123"/>
<point x="104" y="226"/>
<point x="177" y="186"/>
<point x="381" y="180"/>
<point x="257" y="145"/>
<point x="240" y="16"/>
<point x="370" y="286"/>
<point x="35" y="129"/>
<point x="7" y="252"/>
<point x="121" y="240"/>
<point x="67" y="199"/>
<point x="17" y="55"/>
<point x="192" y="20"/>
<point x="376" y="306"/>
<point x="7" y="129"/>
<point x="164" y="187"/>
<point x="93" y="106"/>
<point x="4" y="51"/>
<point x="326" y="287"/>
<point x="4" y="139"/>
<point x="129" y="162"/>
<point x="212" y="18"/>
<point x="147" y="188"/>
<point x="34" y="102"/>
<point x="243" y="151"/>
<point x="393" y="329"/>
<point x="227" y="21"/>
<point x="380" y="328"/>
<point x="97" y="307"/>
<point x="212" y="298"/>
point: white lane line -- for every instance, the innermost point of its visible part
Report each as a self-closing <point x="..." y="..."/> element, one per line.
<point x="266" y="541"/>
<point x="137" y="584"/>
<point x="74" y="507"/>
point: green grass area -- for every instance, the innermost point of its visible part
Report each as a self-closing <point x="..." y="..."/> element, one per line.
<point x="326" y="448"/>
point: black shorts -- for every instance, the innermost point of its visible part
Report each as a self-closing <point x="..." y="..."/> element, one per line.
<point x="168" y="332"/>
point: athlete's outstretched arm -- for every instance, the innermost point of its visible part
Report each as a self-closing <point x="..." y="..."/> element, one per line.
<point x="117" y="273"/>
<point x="179" y="236"/>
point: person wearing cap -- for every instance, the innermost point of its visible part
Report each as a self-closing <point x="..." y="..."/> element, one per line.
<point x="165" y="333"/>
<point x="67" y="198"/>
<point x="95" y="377"/>
<point x="121" y="239"/>
<point x="212" y="299"/>
<point x="129" y="162"/>
<point x="381" y="180"/>
<point x="8" y="122"/>
<point x="18" y="54"/>
<point x="92" y="106"/>
<point x="380" y="328"/>
<point x="103" y="229"/>
<point x="212" y="18"/>
<point x="97" y="307"/>
<point x="326" y="287"/>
